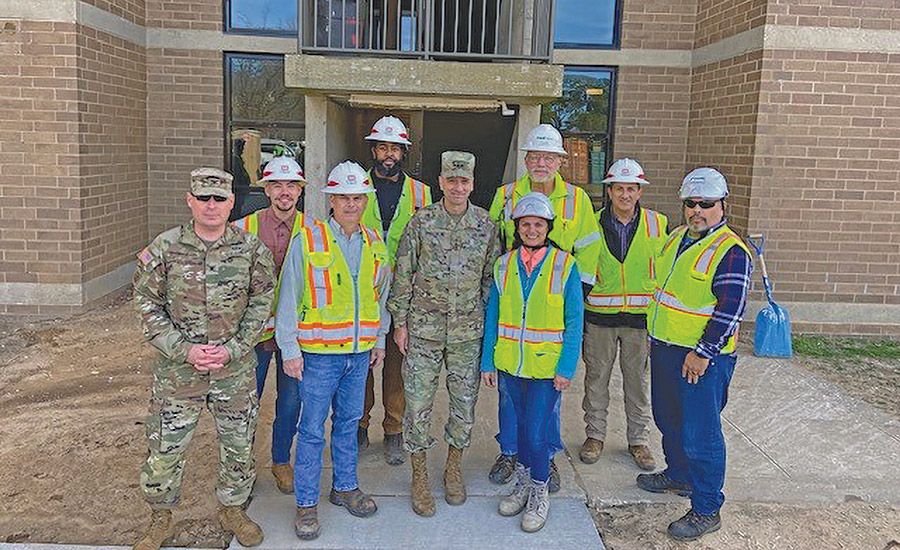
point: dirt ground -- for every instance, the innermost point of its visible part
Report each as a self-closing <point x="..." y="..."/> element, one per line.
<point x="73" y="397"/>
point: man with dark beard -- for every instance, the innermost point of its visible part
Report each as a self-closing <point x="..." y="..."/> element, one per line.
<point x="398" y="197"/>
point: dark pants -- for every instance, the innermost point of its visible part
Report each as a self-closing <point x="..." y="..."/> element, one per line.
<point x="533" y="402"/>
<point x="393" y="394"/>
<point x="287" y="404"/>
<point x="689" y="418"/>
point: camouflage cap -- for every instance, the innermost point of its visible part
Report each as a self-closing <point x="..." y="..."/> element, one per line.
<point x="457" y="164"/>
<point x="211" y="181"/>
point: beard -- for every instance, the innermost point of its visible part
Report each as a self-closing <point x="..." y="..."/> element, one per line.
<point x="388" y="172"/>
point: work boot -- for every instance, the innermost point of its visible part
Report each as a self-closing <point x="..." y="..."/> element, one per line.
<point x="454" y="487"/>
<point x="660" y="482"/>
<point x="284" y="478"/>
<point x="503" y="469"/>
<point x="157" y="532"/>
<point x="356" y="502"/>
<point x="590" y="450"/>
<point x="692" y="526"/>
<point x="512" y="504"/>
<point x="642" y="457"/>
<point x="235" y="520"/>
<point x="553" y="482"/>
<point x="362" y="438"/>
<point x="538" y="507"/>
<point x="422" y="499"/>
<point x="306" y="524"/>
<point x="393" y="449"/>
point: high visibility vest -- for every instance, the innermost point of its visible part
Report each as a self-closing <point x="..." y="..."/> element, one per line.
<point x="334" y="315"/>
<point x="250" y="224"/>
<point x="628" y="286"/>
<point x="413" y="196"/>
<point x="684" y="301"/>
<point x="568" y="210"/>
<point x="530" y="333"/>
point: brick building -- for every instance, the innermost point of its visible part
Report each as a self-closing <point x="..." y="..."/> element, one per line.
<point x="106" y="105"/>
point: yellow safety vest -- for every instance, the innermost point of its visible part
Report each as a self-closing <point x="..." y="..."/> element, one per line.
<point x="250" y="224"/>
<point x="628" y="286"/>
<point x="568" y="209"/>
<point x="530" y="333"/>
<point x="330" y="307"/>
<point x="684" y="301"/>
<point x="413" y="196"/>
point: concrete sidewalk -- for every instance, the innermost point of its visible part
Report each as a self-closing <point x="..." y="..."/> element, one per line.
<point x="792" y="437"/>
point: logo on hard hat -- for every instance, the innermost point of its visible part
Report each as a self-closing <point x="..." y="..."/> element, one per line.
<point x="351" y="178"/>
<point x="389" y="130"/>
<point x="285" y="168"/>
<point x="626" y="172"/>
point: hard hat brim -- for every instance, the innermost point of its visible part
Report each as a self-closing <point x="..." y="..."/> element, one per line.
<point x="614" y="179"/>
<point x="338" y="190"/>
<point x="398" y="139"/>
<point x="559" y="151"/>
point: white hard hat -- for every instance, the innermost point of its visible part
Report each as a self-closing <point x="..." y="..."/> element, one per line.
<point x="545" y="138"/>
<point x="626" y="170"/>
<point x="706" y="183"/>
<point x="283" y="169"/>
<point x="390" y="129"/>
<point x="534" y="204"/>
<point x="348" y="178"/>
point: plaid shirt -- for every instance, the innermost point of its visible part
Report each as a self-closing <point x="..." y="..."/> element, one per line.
<point x="730" y="286"/>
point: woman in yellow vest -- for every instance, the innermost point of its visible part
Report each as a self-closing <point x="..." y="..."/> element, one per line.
<point x="532" y="342"/>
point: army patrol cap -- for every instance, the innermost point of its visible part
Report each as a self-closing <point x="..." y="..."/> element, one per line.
<point x="457" y="164"/>
<point x="211" y="181"/>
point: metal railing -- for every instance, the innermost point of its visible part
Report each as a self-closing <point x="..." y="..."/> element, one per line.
<point x="486" y="30"/>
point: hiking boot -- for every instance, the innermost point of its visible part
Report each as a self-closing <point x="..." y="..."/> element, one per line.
<point x="660" y="482"/>
<point x="157" y="532"/>
<point x="590" y="450"/>
<point x="537" y="509"/>
<point x="642" y="457"/>
<point x="503" y="469"/>
<point x="284" y="478"/>
<point x="235" y="520"/>
<point x="454" y="487"/>
<point x="393" y="449"/>
<point x="362" y="438"/>
<point x="356" y="502"/>
<point x="512" y="504"/>
<point x="692" y="526"/>
<point x="306" y="524"/>
<point x="553" y="482"/>
<point x="422" y="499"/>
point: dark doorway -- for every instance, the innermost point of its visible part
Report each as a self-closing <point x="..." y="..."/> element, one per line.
<point x="486" y="135"/>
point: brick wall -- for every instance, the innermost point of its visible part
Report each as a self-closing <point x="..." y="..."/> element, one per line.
<point x="864" y="14"/>
<point x="113" y="150"/>
<point x="658" y="24"/>
<point x="651" y="125"/>
<point x="132" y="10"/>
<point x="718" y="19"/>
<point x="182" y="14"/>
<point x="185" y="128"/>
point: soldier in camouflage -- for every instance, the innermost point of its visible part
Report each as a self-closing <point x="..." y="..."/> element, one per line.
<point x="442" y="280"/>
<point x="203" y="291"/>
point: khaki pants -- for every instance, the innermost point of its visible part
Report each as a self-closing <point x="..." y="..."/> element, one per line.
<point x="600" y="347"/>
<point x="393" y="395"/>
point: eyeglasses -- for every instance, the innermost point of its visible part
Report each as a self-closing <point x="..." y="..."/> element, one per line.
<point x="205" y="198"/>
<point x="537" y="157"/>
<point x="706" y="205"/>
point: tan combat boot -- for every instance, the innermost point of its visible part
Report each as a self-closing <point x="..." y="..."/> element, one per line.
<point x="422" y="499"/>
<point x="159" y="530"/>
<point x="454" y="488"/>
<point x="284" y="478"/>
<point x="235" y="520"/>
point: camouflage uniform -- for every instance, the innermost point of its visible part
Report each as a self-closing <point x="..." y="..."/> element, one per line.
<point x="188" y="292"/>
<point x="442" y="280"/>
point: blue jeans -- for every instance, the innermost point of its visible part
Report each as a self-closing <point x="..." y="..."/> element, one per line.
<point x="287" y="404"/>
<point x="689" y="418"/>
<point x="509" y="429"/>
<point x="532" y="402"/>
<point x="336" y="382"/>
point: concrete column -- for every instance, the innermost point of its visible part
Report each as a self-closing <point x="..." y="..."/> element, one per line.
<point x="315" y="157"/>
<point x="529" y="117"/>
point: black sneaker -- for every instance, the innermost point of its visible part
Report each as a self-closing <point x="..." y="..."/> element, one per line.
<point x="553" y="482"/>
<point x="503" y="469"/>
<point x="659" y="482"/>
<point x="362" y="438"/>
<point x="693" y="526"/>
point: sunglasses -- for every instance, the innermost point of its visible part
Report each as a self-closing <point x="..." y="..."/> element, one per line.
<point x="706" y="205"/>
<point x="205" y="198"/>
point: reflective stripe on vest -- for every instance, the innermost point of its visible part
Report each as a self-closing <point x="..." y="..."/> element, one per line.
<point x="413" y="196"/>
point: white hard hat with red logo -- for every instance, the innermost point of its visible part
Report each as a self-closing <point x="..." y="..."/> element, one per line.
<point x="544" y="138"/>
<point x="705" y="183"/>
<point x="625" y="170"/>
<point x="390" y="129"/>
<point x="534" y="204"/>
<point x="283" y="169"/>
<point x="348" y="178"/>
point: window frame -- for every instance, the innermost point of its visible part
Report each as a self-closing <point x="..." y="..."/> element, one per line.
<point x="616" y="38"/>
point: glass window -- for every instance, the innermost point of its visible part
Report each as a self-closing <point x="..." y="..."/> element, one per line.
<point x="269" y="16"/>
<point x="584" y="116"/>
<point x="264" y="119"/>
<point x="586" y="23"/>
